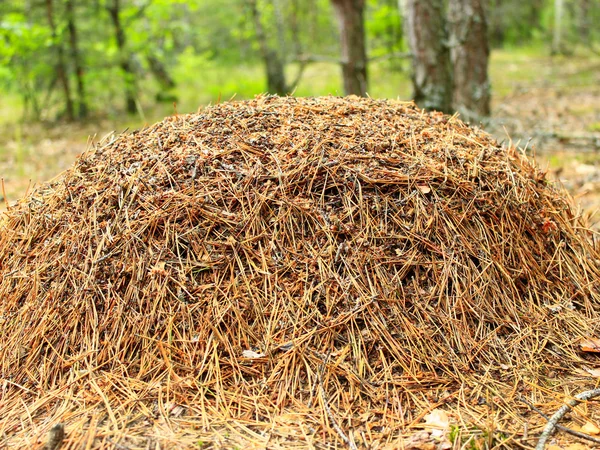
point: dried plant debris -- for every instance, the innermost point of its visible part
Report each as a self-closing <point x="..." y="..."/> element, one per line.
<point x="287" y="270"/>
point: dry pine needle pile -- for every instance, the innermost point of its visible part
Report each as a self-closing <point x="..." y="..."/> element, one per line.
<point x="300" y="270"/>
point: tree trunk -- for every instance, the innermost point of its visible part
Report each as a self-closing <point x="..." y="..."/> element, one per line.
<point x="557" y="47"/>
<point x="425" y="27"/>
<point x="76" y="58"/>
<point x="125" y="58"/>
<point x="160" y="72"/>
<point x="469" y="54"/>
<point x="274" y="64"/>
<point x="350" y="16"/>
<point x="61" y="71"/>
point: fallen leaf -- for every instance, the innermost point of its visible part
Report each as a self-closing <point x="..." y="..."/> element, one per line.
<point x="419" y="441"/>
<point x="576" y="446"/>
<point x="438" y="421"/>
<point x="593" y="372"/>
<point x="437" y="418"/>
<point x="590" y="428"/>
<point x="252" y="355"/>
<point x="591" y="345"/>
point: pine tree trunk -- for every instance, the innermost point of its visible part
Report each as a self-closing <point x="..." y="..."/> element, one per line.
<point x="469" y="55"/>
<point x="557" y="47"/>
<point x="425" y="28"/>
<point x="76" y="57"/>
<point x="274" y="64"/>
<point x="350" y="15"/>
<point x="61" y="71"/>
<point x="125" y="58"/>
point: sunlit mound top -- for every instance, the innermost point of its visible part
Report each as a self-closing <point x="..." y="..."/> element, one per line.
<point x="261" y="251"/>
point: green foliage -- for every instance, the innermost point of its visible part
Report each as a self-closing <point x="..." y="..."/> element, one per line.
<point x="24" y="56"/>
<point x="384" y="27"/>
<point x="210" y="49"/>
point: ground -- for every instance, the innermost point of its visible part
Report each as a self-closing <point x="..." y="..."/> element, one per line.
<point x="548" y="106"/>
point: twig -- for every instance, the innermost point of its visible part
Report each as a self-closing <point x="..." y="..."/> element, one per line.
<point x="587" y="138"/>
<point x="350" y="443"/>
<point x="578" y="434"/>
<point x="393" y="55"/>
<point x="553" y="422"/>
<point x="4" y="196"/>
<point x="117" y="445"/>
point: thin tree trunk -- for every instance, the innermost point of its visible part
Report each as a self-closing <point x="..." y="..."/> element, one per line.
<point x="350" y="16"/>
<point x="160" y="72"/>
<point x="125" y="58"/>
<point x="274" y="64"/>
<point x="76" y="58"/>
<point x="469" y="54"/>
<point x="425" y="27"/>
<point x="296" y="42"/>
<point x="61" y="71"/>
<point x="557" y="38"/>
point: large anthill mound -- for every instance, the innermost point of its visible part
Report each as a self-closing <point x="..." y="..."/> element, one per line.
<point x="320" y="264"/>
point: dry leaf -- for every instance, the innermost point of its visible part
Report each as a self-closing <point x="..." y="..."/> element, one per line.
<point x="590" y="428"/>
<point x="576" y="446"/>
<point x="438" y="418"/>
<point x="174" y="410"/>
<point x="419" y="441"/>
<point x="252" y="355"/>
<point x="438" y="421"/>
<point x="593" y="372"/>
<point x="591" y="345"/>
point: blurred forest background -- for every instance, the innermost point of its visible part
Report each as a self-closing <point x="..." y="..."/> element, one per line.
<point x="70" y="69"/>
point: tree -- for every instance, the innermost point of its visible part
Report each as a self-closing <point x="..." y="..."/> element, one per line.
<point x="125" y="57"/>
<point x="76" y="59"/>
<point x="274" y="63"/>
<point x="61" y="71"/>
<point x="426" y="33"/>
<point x="350" y="16"/>
<point x="469" y="54"/>
<point x="557" y="45"/>
<point x="272" y="51"/>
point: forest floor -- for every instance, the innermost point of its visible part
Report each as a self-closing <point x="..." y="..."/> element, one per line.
<point x="548" y="105"/>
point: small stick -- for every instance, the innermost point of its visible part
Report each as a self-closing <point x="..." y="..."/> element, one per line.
<point x="578" y="434"/>
<point x="552" y="423"/>
<point x="336" y="427"/>
<point x="4" y="195"/>
<point x="334" y="423"/>
<point x="117" y="445"/>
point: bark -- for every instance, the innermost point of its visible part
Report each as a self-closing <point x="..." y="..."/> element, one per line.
<point x="61" y="71"/>
<point x="584" y="21"/>
<point x="76" y="58"/>
<point x="274" y="63"/>
<point x="426" y="33"/>
<point x="294" y="28"/>
<point x="126" y="63"/>
<point x="160" y="72"/>
<point x="557" y="47"/>
<point x="469" y="54"/>
<point x="350" y="16"/>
